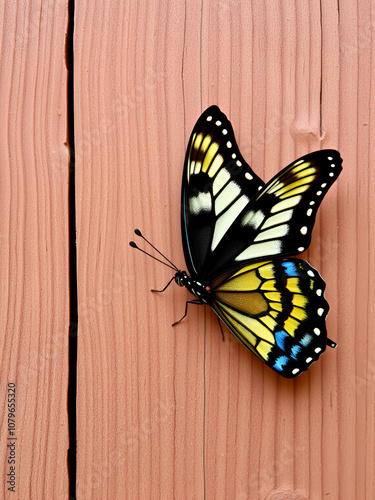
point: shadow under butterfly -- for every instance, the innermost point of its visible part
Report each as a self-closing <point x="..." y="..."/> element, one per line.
<point x="237" y="232"/>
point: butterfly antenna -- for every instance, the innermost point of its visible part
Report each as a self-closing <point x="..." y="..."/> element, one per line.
<point x="134" y="245"/>
<point x="138" y="233"/>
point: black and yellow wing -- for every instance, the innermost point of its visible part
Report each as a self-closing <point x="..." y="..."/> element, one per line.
<point x="217" y="185"/>
<point x="277" y="310"/>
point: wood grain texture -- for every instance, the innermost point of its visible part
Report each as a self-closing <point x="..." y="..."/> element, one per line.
<point x="34" y="317"/>
<point x="175" y="412"/>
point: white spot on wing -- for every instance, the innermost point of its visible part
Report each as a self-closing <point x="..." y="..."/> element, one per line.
<point x="253" y="219"/>
<point x="279" y="218"/>
<point x="200" y="203"/>
<point x="215" y="165"/>
<point x="287" y="203"/>
<point x="220" y="180"/>
<point x="226" y="197"/>
<point x="274" y="233"/>
<point x="198" y="166"/>
<point x="224" y="222"/>
<point x="192" y="166"/>
<point x="264" y="249"/>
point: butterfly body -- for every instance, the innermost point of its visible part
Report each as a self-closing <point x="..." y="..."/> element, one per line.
<point x="201" y="291"/>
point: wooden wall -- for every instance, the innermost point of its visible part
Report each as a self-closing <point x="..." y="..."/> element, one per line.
<point x="168" y="412"/>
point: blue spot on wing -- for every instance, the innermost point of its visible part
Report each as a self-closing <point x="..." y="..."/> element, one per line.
<point x="290" y="268"/>
<point x="305" y="340"/>
<point x="280" y="337"/>
<point x="280" y="362"/>
<point x="294" y="351"/>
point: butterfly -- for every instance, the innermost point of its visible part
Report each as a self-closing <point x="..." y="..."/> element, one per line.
<point x="239" y="235"/>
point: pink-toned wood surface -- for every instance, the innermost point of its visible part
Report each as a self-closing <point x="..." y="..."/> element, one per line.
<point x="175" y="412"/>
<point x="34" y="298"/>
<point x="168" y="412"/>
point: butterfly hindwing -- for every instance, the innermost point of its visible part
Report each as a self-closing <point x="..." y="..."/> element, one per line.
<point x="217" y="185"/>
<point x="277" y="310"/>
<point x="229" y="217"/>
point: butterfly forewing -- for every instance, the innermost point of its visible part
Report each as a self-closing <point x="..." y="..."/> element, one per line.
<point x="281" y="218"/>
<point x="217" y="185"/>
<point x="277" y="310"/>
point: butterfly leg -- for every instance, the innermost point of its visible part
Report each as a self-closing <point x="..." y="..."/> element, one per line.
<point x="186" y="307"/>
<point x="166" y="286"/>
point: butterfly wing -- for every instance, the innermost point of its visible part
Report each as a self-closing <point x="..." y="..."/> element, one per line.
<point x="280" y="219"/>
<point x="217" y="183"/>
<point x="277" y="310"/>
<point x="229" y="217"/>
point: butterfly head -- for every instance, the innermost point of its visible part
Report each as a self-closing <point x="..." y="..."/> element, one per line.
<point x="181" y="278"/>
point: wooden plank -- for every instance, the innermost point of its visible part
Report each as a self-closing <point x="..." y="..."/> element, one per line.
<point x="175" y="412"/>
<point x="139" y="380"/>
<point x="34" y="318"/>
<point x="356" y="208"/>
